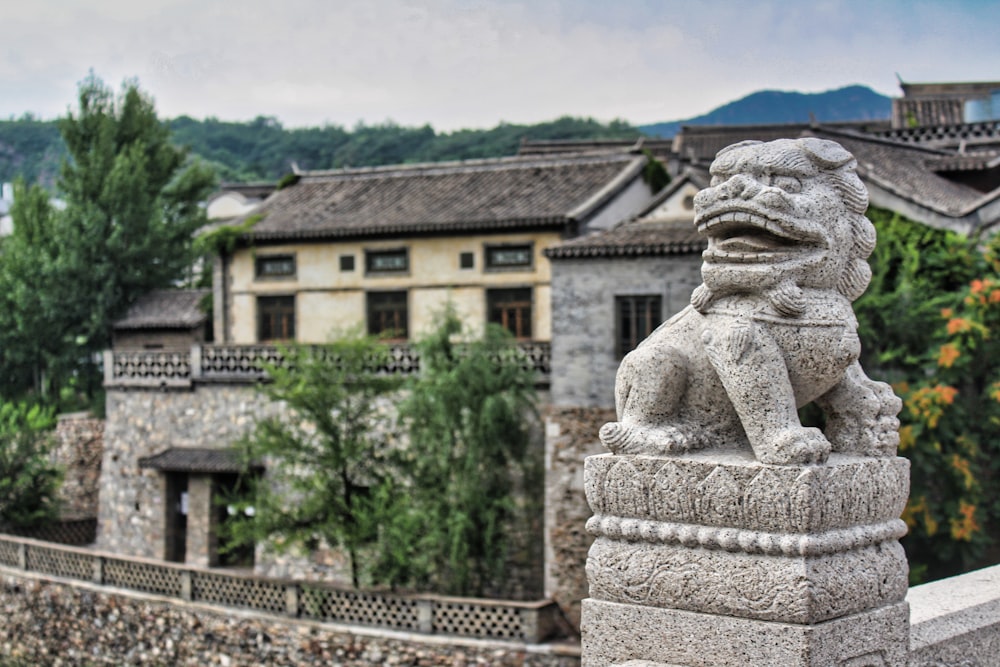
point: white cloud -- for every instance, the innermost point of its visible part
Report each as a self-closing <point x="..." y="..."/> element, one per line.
<point x="467" y="63"/>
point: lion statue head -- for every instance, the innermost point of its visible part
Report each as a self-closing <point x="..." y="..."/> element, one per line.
<point x="782" y="217"/>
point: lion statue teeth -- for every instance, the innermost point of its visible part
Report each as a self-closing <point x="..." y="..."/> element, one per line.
<point x="771" y="328"/>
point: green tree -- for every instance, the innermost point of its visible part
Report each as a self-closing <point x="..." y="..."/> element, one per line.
<point x="468" y="415"/>
<point x="29" y="482"/>
<point x="131" y="208"/>
<point x="328" y="476"/>
<point x="926" y="325"/>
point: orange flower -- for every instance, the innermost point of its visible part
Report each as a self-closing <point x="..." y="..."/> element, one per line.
<point x="994" y="391"/>
<point x="995" y="296"/>
<point x="964" y="526"/>
<point x="976" y="286"/>
<point x="917" y="507"/>
<point x="962" y="466"/>
<point x="947" y="356"/>
<point x="928" y="403"/>
<point x="906" y="437"/>
<point x="946" y="313"/>
<point x="958" y="324"/>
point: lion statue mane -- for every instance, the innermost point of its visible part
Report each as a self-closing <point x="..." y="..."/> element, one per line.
<point x="771" y="328"/>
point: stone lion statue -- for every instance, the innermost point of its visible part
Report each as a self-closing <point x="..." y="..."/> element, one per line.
<point x="771" y="328"/>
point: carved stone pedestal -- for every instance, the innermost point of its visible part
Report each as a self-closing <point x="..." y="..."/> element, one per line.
<point x="715" y="559"/>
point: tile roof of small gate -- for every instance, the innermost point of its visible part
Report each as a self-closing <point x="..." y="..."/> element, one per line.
<point x="165" y="309"/>
<point x="456" y="197"/>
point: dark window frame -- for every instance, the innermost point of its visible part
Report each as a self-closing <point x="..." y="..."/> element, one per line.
<point x="260" y="261"/>
<point x="492" y="266"/>
<point x="513" y="308"/>
<point x="384" y="305"/>
<point x="371" y="257"/>
<point x="466" y="260"/>
<point x="346" y="263"/>
<point x="636" y="316"/>
<point x="276" y="314"/>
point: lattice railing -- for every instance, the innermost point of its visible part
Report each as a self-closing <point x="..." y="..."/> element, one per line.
<point x="151" y="367"/>
<point x="235" y="591"/>
<point x="60" y="562"/>
<point x="248" y="363"/>
<point x="142" y="576"/>
<point x="429" y="614"/>
<point x="471" y="619"/>
<point x="356" y="607"/>
<point x="233" y="361"/>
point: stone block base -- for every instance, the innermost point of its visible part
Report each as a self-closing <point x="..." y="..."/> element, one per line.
<point x="615" y="634"/>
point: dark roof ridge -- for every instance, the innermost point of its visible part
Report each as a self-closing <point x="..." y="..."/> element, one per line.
<point x="864" y="136"/>
<point x="475" y="164"/>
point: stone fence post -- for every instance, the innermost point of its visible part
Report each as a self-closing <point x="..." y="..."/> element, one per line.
<point x="727" y="533"/>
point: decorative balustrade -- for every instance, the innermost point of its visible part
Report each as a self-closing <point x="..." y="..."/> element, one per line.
<point x="248" y="363"/>
<point x="531" y="622"/>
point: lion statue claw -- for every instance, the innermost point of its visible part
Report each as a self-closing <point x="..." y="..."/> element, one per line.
<point x="771" y="328"/>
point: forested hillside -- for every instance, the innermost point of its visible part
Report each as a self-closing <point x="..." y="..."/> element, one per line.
<point x="262" y="149"/>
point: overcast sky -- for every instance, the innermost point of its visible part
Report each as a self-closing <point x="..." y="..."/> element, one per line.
<point x="475" y="63"/>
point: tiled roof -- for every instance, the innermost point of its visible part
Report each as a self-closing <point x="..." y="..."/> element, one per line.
<point x="658" y="147"/>
<point x="700" y="143"/>
<point x="166" y="309"/>
<point x="476" y="195"/>
<point x="633" y="239"/>
<point x="195" y="459"/>
<point x="906" y="171"/>
<point x="971" y="136"/>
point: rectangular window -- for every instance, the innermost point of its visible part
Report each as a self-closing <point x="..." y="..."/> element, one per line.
<point x="387" y="261"/>
<point x="387" y="314"/>
<point x="275" y="318"/>
<point x="511" y="309"/>
<point x="275" y="266"/>
<point x="636" y="318"/>
<point x="466" y="260"/>
<point x="508" y="256"/>
<point x="347" y="262"/>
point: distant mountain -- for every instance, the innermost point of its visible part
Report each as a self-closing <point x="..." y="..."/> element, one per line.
<point x="776" y="106"/>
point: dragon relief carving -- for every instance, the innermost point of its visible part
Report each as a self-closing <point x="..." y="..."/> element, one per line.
<point x="771" y="328"/>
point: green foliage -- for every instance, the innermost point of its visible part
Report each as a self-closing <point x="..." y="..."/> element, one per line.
<point x="468" y="416"/>
<point x="222" y="240"/>
<point x="131" y="207"/>
<point x="926" y="324"/>
<point x="654" y="173"/>
<point x="327" y="475"/>
<point x="28" y="481"/>
<point x="262" y="149"/>
<point x="434" y="512"/>
<point x="287" y="180"/>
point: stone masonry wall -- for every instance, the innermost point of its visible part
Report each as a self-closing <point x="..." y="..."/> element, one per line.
<point x="145" y="422"/>
<point x="570" y="437"/>
<point x="52" y="623"/>
<point x="79" y="448"/>
<point x="582" y="393"/>
<point x="583" y="317"/>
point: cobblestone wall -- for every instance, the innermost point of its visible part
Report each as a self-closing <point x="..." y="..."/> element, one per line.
<point x="570" y="437"/>
<point x="141" y="423"/>
<point x="50" y="623"/>
<point x="79" y="447"/>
